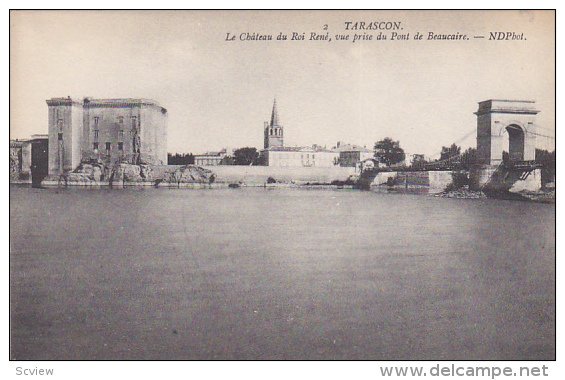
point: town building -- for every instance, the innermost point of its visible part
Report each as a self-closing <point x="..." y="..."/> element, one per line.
<point x="276" y="154"/>
<point x="28" y="159"/>
<point x="313" y="156"/>
<point x="106" y="130"/>
<point x="210" y="158"/>
<point x="351" y="155"/>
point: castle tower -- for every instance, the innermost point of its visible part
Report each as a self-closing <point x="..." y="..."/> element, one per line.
<point x="110" y="130"/>
<point x="273" y="131"/>
<point x="65" y="134"/>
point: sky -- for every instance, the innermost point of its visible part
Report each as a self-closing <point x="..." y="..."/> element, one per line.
<point x="218" y="93"/>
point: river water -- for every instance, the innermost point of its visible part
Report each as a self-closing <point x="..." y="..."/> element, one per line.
<point x="278" y="274"/>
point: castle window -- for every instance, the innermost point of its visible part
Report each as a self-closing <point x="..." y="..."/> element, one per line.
<point x="96" y="121"/>
<point x="95" y="146"/>
<point x="60" y="136"/>
<point x="121" y="135"/>
<point x="96" y="134"/>
<point x="120" y="119"/>
<point x="120" y="146"/>
<point x="134" y="121"/>
<point x="60" y="124"/>
<point x="108" y="146"/>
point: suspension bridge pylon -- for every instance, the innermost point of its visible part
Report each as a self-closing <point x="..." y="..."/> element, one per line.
<point x="506" y="146"/>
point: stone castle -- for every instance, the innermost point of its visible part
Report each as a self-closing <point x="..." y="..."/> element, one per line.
<point x="106" y="130"/>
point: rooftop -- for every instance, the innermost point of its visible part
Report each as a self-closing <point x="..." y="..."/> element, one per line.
<point x="92" y="101"/>
<point x="507" y="106"/>
<point x="212" y="154"/>
<point x="299" y="149"/>
<point x="112" y="102"/>
<point x="351" y="148"/>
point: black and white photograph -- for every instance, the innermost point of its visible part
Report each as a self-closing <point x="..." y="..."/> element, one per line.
<point x="285" y="185"/>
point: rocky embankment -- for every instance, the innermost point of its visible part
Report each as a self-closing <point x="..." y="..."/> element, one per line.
<point x="188" y="174"/>
<point x="85" y="174"/>
<point x="462" y="193"/>
<point x="124" y="174"/>
<point x="542" y="196"/>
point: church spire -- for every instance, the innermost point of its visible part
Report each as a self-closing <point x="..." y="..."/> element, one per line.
<point x="275" y="115"/>
<point x="274" y="131"/>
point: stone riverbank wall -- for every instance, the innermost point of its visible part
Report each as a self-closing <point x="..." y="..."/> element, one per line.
<point x="259" y="175"/>
<point x="197" y="176"/>
<point x="430" y="181"/>
<point x="488" y="179"/>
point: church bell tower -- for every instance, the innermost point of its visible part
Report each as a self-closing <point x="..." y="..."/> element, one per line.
<point x="273" y="131"/>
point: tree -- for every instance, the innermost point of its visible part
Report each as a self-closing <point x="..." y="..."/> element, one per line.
<point x="418" y="161"/>
<point x="227" y="160"/>
<point x="180" y="159"/>
<point x="260" y="161"/>
<point x="245" y="156"/>
<point x="448" y="152"/>
<point x="389" y="152"/>
<point x="547" y="160"/>
<point x="468" y="158"/>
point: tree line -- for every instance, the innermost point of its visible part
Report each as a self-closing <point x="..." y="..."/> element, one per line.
<point x="386" y="151"/>
<point x="241" y="156"/>
<point x="389" y="152"/>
